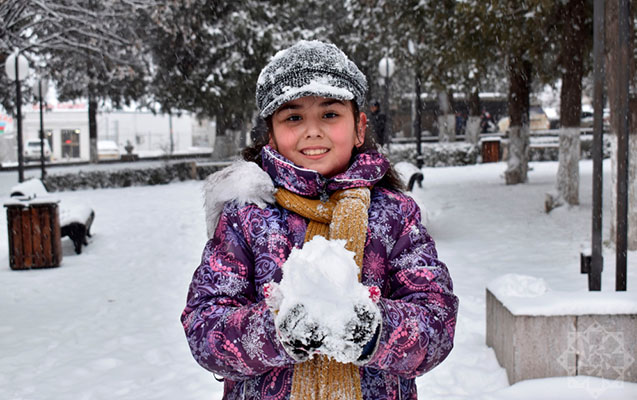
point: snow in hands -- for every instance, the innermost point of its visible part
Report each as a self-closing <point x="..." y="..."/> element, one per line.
<point x="322" y="307"/>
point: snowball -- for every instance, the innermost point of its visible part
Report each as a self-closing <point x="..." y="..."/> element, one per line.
<point x="323" y="277"/>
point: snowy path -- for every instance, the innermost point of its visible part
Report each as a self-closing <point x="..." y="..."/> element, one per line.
<point x="105" y="325"/>
<point x="484" y="229"/>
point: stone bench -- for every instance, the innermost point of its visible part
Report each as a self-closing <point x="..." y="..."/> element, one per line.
<point x="548" y="333"/>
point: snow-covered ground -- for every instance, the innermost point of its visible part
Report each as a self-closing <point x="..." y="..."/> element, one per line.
<point x="105" y="325"/>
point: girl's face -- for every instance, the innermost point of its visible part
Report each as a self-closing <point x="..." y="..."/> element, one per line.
<point x="317" y="133"/>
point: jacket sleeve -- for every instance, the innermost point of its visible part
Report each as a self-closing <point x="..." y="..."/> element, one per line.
<point x="418" y="306"/>
<point x="229" y="332"/>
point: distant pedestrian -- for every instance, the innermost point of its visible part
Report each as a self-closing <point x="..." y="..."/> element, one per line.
<point x="259" y="131"/>
<point x="377" y="122"/>
<point x="487" y="122"/>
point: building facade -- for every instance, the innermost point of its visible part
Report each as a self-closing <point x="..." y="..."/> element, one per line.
<point x="66" y="129"/>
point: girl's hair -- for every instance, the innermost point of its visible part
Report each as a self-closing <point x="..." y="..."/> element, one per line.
<point x="262" y="131"/>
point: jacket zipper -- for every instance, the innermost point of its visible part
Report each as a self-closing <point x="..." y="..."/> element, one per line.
<point x="399" y="394"/>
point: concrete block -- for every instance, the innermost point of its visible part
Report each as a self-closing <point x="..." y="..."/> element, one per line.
<point x="606" y="346"/>
<point x="537" y="346"/>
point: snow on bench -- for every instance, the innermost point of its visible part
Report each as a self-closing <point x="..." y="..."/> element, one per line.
<point x="75" y="219"/>
<point x="409" y="174"/>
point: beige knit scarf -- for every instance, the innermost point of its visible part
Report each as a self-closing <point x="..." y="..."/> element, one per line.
<point x="344" y="216"/>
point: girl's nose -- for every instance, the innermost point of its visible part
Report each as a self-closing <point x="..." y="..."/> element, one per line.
<point x="313" y="130"/>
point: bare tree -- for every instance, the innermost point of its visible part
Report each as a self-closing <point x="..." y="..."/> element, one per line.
<point x="90" y="48"/>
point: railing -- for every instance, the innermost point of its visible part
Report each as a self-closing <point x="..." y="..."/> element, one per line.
<point x="548" y="133"/>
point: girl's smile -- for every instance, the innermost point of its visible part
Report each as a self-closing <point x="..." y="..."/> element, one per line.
<point x="317" y="133"/>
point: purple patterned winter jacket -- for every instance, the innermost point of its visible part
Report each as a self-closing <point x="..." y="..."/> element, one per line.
<point x="231" y="331"/>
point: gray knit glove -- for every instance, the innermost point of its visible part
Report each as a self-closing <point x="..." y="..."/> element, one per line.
<point x="299" y="334"/>
<point x="359" y="338"/>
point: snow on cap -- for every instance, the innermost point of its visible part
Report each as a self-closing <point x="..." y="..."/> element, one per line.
<point x="309" y="68"/>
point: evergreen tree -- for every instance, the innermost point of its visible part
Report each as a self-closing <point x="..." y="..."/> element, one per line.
<point x="575" y="28"/>
<point x="478" y="59"/>
<point x="207" y="56"/>
<point x="524" y="31"/>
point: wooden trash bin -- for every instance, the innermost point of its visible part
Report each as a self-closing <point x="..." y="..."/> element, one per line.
<point x="34" y="233"/>
<point x="490" y="150"/>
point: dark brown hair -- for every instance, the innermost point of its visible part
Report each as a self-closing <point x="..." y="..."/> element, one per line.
<point x="261" y="136"/>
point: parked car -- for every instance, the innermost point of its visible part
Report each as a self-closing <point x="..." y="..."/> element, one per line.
<point x="32" y="150"/>
<point x="586" y="119"/>
<point x="108" y="150"/>
<point x="538" y="120"/>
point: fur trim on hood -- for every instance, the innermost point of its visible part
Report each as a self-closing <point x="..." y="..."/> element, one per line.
<point x="244" y="182"/>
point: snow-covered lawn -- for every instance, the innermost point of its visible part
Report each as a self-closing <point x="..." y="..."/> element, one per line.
<point x="105" y="325"/>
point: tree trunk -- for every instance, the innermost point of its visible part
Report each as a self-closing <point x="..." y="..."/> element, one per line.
<point x="612" y="63"/>
<point x="229" y="140"/>
<point x="572" y="63"/>
<point x="472" y="129"/>
<point x="447" y="118"/>
<point x="220" y="150"/>
<point x="519" y="92"/>
<point x="92" y="128"/>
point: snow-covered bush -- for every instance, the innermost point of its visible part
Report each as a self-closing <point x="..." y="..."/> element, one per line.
<point x="437" y="154"/>
<point x="129" y="177"/>
<point x="587" y="147"/>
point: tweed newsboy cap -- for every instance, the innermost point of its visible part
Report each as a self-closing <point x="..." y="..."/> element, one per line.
<point x="309" y="68"/>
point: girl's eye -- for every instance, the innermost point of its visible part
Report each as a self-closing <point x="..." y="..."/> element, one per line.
<point x="293" y="118"/>
<point x="330" y="115"/>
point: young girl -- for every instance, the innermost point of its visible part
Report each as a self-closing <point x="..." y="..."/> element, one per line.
<point x="321" y="177"/>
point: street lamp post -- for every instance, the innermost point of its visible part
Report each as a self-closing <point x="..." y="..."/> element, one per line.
<point x="41" y="88"/>
<point x="17" y="69"/>
<point x="170" y="126"/>
<point x="417" y="128"/>
<point x="386" y="69"/>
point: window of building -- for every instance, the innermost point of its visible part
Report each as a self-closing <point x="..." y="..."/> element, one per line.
<point x="70" y="143"/>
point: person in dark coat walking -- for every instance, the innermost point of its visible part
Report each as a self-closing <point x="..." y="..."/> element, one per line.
<point x="377" y="122"/>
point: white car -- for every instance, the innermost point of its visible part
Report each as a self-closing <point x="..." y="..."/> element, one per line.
<point x="32" y="150"/>
<point x="538" y="120"/>
<point x="108" y="150"/>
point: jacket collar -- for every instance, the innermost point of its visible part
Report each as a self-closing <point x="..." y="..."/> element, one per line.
<point x="366" y="170"/>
